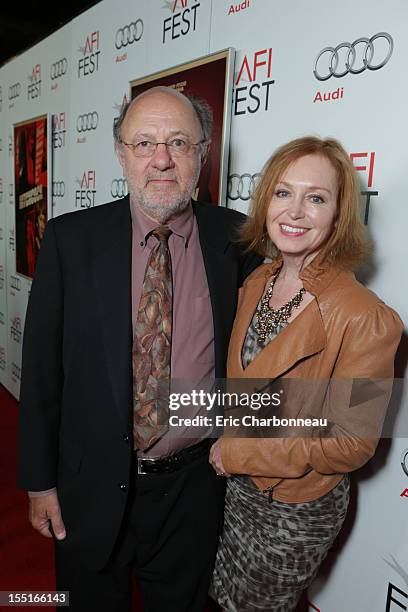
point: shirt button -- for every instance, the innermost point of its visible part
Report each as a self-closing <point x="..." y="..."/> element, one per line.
<point x="122" y="487"/>
<point x="125" y="438"/>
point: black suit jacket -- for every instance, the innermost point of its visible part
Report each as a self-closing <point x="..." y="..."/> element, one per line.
<point x="76" y="390"/>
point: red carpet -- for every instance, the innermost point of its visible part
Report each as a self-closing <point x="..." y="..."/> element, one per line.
<point x="26" y="558"/>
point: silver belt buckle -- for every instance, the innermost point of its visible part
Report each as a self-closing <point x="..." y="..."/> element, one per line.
<point x="140" y="464"/>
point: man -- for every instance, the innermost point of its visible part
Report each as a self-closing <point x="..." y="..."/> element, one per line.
<point x="118" y="493"/>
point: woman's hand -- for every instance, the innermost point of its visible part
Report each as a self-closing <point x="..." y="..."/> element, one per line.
<point x="216" y="460"/>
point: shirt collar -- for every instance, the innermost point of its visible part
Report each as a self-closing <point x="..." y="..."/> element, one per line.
<point x="316" y="276"/>
<point x="181" y="226"/>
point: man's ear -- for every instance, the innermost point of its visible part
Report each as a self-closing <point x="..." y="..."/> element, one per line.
<point x="205" y="152"/>
<point x="120" y="153"/>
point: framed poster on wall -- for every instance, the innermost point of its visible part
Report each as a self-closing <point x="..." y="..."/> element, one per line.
<point x="32" y="189"/>
<point x="211" y="78"/>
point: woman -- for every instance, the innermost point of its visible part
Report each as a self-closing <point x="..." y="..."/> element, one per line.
<point x="302" y="316"/>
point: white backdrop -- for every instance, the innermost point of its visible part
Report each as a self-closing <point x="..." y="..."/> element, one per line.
<point x="83" y="73"/>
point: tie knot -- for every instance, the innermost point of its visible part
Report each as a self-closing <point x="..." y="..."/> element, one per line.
<point x="162" y="233"/>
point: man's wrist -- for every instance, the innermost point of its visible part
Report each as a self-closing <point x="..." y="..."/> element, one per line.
<point x="42" y="493"/>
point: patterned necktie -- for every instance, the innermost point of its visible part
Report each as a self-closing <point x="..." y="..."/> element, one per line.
<point x="152" y="346"/>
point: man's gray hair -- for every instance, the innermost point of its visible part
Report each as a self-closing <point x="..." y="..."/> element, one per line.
<point x="202" y="109"/>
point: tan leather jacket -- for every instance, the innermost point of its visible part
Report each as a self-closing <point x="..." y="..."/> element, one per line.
<point x="346" y="333"/>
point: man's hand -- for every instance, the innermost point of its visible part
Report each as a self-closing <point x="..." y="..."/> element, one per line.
<point x="216" y="460"/>
<point x="44" y="509"/>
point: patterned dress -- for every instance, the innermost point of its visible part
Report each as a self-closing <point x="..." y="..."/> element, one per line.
<point x="270" y="551"/>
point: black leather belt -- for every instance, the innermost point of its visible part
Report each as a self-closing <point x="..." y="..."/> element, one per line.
<point x="174" y="462"/>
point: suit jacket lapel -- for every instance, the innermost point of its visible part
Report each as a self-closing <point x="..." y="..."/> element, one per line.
<point x="290" y="346"/>
<point x="112" y="277"/>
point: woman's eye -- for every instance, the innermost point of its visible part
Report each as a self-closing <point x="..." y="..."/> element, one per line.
<point x="281" y="193"/>
<point x="316" y="199"/>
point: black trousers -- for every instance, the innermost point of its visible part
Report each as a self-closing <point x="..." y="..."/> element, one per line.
<point x="168" y="539"/>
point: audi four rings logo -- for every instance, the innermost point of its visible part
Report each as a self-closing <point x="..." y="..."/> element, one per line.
<point x="333" y="66"/>
<point x="242" y="186"/>
<point x="58" y="69"/>
<point x="87" y="122"/>
<point x="129" y="34"/>
<point x="14" y="91"/>
<point x="119" y="188"/>
<point x="58" y="189"/>
<point x="404" y="461"/>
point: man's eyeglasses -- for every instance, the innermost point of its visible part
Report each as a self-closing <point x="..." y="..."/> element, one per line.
<point x="176" y="147"/>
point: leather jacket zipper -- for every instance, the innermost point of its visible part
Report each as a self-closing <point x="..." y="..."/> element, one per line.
<point x="269" y="491"/>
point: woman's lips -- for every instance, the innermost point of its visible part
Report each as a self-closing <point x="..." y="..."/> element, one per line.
<point x="292" y="230"/>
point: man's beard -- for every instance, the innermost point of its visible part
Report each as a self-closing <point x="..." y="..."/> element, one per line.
<point x="162" y="207"/>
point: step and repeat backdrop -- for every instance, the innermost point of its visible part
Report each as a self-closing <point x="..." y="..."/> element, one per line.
<point x="323" y="67"/>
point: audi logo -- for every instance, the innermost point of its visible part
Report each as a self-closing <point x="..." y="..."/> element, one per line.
<point x="242" y="186"/>
<point x="332" y="66"/>
<point x="58" y="189"/>
<point x="14" y="91"/>
<point x="119" y="188"/>
<point x="404" y="461"/>
<point x="59" y="68"/>
<point x="87" y="122"/>
<point x="129" y="34"/>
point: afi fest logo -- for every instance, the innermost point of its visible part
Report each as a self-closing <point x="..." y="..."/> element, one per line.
<point x="11" y="246"/>
<point x="85" y="195"/>
<point x="237" y="8"/>
<point x="397" y="597"/>
<point x="15" y="284"/>
<point x="253" y="82"/>
<point x="89" y="62"/>
<point x="183" y="20"/>
<point x="2" y="358"/>
<point x="1" y="98"/>
<point x="15" y="372"/>
<point x="2" y="277"/>
<point x="15" y="329"/>
<point x="34" y="83"/>
<point x="1" y="191"/>
<point x="126" y="36"/>
<point x="59" y="130"/>
<point x="364" y="162"/>
<point x="2" y="318"/>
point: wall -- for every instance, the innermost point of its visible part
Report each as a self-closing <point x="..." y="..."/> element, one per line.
<point x="278" y="95"/>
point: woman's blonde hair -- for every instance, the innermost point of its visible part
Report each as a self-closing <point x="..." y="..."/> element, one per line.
<point x="347" y="246"/>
